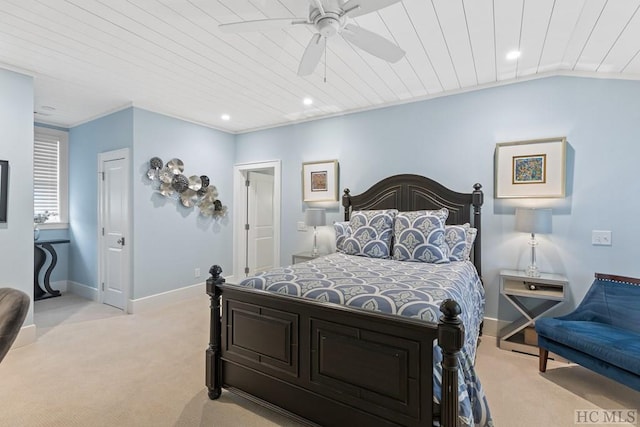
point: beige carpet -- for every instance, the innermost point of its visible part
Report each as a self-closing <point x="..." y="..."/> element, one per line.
<point x="94" y="366"/>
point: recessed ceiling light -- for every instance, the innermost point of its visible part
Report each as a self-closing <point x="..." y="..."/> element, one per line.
<point x="307" y="101"/>
<point x="514" y="54"/>
<point x="225" y="117"/>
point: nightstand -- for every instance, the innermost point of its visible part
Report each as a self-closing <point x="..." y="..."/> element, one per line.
<point x="532" y="297"/>
<point x="303" y="256"/>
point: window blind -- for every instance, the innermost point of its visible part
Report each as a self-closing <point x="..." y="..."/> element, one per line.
<point x="46" y="175"/>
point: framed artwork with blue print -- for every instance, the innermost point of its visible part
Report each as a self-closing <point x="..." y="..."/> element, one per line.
<point x="4" y="187"/>
<point x="533" y="168"/>
<point x="320" y="181"/>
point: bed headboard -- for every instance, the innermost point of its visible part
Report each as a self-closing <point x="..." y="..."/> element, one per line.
<point x="414" y="192"/>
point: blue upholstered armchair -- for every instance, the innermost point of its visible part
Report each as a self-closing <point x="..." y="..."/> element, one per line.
<point x="13" y="309"/>
<point x="602" y="334"/>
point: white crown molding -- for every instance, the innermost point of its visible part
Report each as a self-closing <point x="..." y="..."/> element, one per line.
<point x="98" y="116"/>
<point x="558" y="73"/>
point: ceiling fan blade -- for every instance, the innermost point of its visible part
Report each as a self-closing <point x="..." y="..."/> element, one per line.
<point x="318" y="5"/>
<point x="354" y="8"/>
<point x="312" y="55"/>
<point x="373" y="43"/>
<point x="261" y="25"/>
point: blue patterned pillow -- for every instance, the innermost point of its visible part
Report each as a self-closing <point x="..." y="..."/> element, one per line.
<point x="371" y="233"/>
<point x="442" y="213"/>
<point x="456" y="237"/>
<point x="419" y="236"/>
<point x="342" y="232"/>
<point x="471" y="237"/>
<point x="460" y="240"/>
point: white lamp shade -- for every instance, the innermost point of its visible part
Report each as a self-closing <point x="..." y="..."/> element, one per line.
<point x="533" y="220"/>
<point x="315" y="217"/>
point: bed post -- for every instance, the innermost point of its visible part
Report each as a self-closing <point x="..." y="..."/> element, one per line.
<point x="450" y="339"/>
<point x="213" y="373"/>
<point x="477" y="199"/>
<point x="346" y="202"/>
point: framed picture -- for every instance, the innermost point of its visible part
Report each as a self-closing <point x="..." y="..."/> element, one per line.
<point x="320" y="181"/>
<point x="531" y="168"/>
<point x="4" y="180"/>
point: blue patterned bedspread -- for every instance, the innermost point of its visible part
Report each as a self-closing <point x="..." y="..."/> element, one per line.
<point x="411" y="289"/>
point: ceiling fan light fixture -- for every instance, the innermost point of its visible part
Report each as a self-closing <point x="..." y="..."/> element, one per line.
<point x="328" y="18"/>
<point x="328" y="26"/>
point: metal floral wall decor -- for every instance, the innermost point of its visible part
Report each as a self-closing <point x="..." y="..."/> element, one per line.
<point x="191" y="191"/>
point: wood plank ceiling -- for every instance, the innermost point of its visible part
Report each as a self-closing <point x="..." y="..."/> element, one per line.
<point x="90" y="57"/>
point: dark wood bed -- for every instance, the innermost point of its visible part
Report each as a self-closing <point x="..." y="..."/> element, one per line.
<point x="328" y="364"/>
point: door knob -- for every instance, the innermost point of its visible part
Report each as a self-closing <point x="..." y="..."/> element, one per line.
<point x="120" y="241"/>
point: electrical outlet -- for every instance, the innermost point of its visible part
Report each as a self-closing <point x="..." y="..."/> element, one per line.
<point x="302" y="226"/>
<point x="601" y="237"/>
<point x="196" y="272"/>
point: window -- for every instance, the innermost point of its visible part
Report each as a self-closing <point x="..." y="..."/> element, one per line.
<point x="50" y="177"/>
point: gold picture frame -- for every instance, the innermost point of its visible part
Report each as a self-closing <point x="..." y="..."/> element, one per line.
<point x="534" y="168"/>
<point x="320" y="181"/>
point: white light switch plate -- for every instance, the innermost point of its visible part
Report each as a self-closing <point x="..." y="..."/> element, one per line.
<point x="601" y="237"/>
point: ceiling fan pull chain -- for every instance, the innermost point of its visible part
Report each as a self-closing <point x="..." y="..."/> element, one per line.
<point x="325" y="59"/>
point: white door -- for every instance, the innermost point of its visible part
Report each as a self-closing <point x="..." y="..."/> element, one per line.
<point x="260" y="215"/>
<point x="115" y="244"/>
<point x="256" y="204"/>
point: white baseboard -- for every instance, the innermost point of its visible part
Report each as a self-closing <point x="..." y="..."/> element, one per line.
<point x="84" y="291"/>
<point x="165" y="298"/>
<point x="141" y="304"/>
<point x="60" y="285"/>
<point x="27" y="335"/>
<point x="493" y="326"/>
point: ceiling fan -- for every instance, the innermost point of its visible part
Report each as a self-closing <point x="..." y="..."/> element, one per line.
<point x="328" y="18"/>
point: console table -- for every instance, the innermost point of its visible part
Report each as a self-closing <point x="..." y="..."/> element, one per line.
<point x="40" y="257"/>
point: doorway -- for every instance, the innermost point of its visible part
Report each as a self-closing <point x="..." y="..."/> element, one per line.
<point x="114" y="271"/>
<point x="256" y="230"/>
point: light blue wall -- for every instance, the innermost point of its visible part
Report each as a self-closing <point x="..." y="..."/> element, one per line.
<point x="171" y="241"/>
<point x="108" y="133"/>
<point x="452" y="140"/>
<point x="599" y="118"/>
<point x="16" y="146"/>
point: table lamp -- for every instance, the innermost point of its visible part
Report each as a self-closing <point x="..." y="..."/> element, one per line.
<point x="315" y="217"/>
<point x="533" y="221"/>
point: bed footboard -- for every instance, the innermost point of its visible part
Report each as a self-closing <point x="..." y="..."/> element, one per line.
<point x="330" y="364"/>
